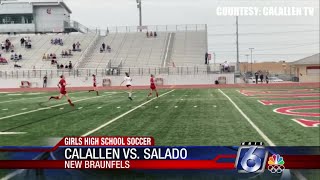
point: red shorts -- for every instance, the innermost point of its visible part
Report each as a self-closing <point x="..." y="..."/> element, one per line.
<point x="94" y="85"/>
<point x="64" y="92"/>
<point x="153" y="87"/>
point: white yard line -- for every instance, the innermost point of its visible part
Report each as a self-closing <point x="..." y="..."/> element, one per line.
<point x="122" y="115"/>
<point x="265" y="137"/>
<point x="41" y="109"/>
<point x="11" y="133"/>
<point x="1" y="102"/>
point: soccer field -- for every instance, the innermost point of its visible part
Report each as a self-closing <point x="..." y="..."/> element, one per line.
<point x="178" y="117"/>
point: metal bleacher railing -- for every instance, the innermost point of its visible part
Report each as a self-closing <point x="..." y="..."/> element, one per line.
<point x="134" y="71"/>
<point x="159" y="28"/>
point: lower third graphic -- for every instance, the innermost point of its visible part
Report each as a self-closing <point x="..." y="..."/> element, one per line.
<point x="276" y="164"/>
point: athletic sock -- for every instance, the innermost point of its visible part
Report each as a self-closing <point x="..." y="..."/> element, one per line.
<point x="97" y="93"/>
<point x="54" y="97"/>
<point x="157" y="95"/>
<point x="71" y="104"/>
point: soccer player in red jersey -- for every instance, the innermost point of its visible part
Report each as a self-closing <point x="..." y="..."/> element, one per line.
<point x="94" y="85"/>
<point x="152" y="86"/>
<point x="62" y="86"/>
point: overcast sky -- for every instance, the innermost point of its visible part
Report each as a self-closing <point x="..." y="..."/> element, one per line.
<point x="274" y="38"/>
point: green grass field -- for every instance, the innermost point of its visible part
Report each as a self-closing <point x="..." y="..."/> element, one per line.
<point x="178" y="117"/>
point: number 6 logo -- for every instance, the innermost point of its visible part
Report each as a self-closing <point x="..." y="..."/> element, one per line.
<point x="249" y="156"/>
<point x="251" y="159"/>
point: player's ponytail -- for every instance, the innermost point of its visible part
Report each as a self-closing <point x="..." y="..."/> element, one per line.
<point x="127" y="74"/>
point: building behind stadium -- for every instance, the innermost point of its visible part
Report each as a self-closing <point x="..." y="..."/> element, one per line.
<point x="35" y="17"/>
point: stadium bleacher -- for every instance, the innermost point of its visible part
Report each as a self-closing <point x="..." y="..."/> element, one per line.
<point x="189" y="48"/>
<point x="128" y="49"/>
<point x="41" y="44"/>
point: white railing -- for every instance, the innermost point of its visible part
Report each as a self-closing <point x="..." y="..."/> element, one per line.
<point x="84" y="72"/>
<point x="158" y="28"/>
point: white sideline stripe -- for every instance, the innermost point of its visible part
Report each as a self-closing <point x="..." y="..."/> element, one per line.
<point x="122" y="115"/>
<point x="40" y="109"/>
<point x="249" y="120"/>
<point x="32" y="98"/>
<point x="11" y="133"/>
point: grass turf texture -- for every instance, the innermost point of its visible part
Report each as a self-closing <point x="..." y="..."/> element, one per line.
<point x="182" y="117"/>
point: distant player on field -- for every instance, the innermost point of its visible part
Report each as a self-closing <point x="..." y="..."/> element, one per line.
<point x="152" y="86"/>
<point x="128" y="81"/>
<point x="62" y="86"/>
<point x="94" y="85"/>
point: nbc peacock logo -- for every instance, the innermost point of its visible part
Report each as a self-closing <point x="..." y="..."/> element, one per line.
<point x="276" y="164"/>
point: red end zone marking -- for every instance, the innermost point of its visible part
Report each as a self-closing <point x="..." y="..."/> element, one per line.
<point x="288" y="111"/>
<point x="292" y="96"/>
<point x="273" y="102"/>
<point x="307" y="123"/>
<point x="285" y="91"/>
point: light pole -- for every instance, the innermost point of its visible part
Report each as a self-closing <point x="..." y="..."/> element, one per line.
<point x="251" y="57"/>
<point x="139" y="6"/>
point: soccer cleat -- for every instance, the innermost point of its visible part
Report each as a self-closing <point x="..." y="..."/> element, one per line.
<point x="130" y="98"/>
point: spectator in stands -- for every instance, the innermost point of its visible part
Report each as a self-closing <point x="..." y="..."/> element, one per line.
<point x="66" y="67"/>
<point x="20" y="56"/>
<point x="151" y="34"/>
<point x="61" y="66"/>
<point x="206" y="58"/>
<point x="103" y="46"/>
<point x="16" y="66"/>
<point x="74" y="47"/>
<point x="3" y="45"/>
<point x="147" y="34"/>
<point x="54" y="56"/>
<point x="78" y="46"/>
<point x="12" y="57"/>
<point x="108" y="48"/>
<point x="70" y="65"/>
<point x="58" y="66"/>
<point x="226" y="67"/>
<point x="16" y="58"/>
<point x="101" y="50"/>
<point x="62" y="53"/>
<point x="44" y="57"/>
<point x="107" y="31"/>
<point x="45" y="78"/>
<point x="155" y="34"/>
<point x="70" y="54"/>
<point x="22" y="41"/>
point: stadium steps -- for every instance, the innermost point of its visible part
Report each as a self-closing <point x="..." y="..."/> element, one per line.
<point x="189" y="48"/>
